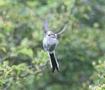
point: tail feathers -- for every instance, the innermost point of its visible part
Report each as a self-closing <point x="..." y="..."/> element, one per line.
<point x="54" y="63"/>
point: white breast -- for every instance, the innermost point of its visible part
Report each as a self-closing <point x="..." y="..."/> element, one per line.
<point x="49" y="42"/>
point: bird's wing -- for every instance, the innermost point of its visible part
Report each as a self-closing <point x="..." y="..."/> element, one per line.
<point x="45" y="26"/>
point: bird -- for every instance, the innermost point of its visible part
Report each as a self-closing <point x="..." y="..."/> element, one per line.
<point x="50" y="42"/>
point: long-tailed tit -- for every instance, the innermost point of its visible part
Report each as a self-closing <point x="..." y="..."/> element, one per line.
<point x="50" y="42"/>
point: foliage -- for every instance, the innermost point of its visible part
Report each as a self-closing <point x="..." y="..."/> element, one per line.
<point x="24" y="65"/>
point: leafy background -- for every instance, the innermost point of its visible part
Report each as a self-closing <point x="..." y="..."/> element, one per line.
<point x="24" y="65"/>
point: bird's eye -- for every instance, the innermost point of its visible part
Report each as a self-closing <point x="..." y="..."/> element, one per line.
<point x="48" y="34"/>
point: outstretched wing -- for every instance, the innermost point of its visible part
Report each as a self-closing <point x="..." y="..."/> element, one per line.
<point x="63" y="28"/>
<point x="45" y="26"/>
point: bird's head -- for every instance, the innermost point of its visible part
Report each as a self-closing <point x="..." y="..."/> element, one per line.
<point x="51" y="34"/>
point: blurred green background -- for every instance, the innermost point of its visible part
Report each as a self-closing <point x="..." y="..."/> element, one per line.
<point x="24" y="65"/>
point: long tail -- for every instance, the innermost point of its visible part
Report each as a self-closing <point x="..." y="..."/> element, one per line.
<point x="54" y="63"/>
